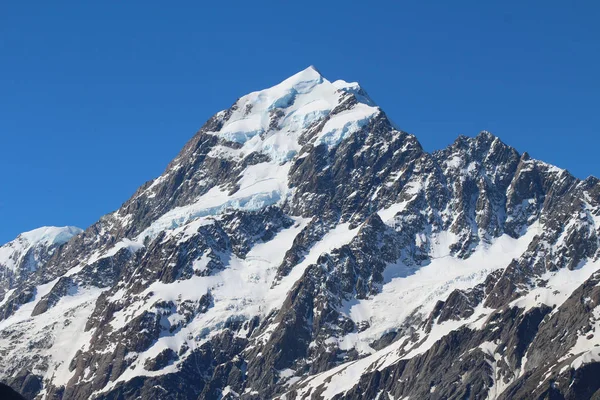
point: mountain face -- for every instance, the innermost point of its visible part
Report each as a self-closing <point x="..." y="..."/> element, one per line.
<point x="30" y="250"/>
<point x="300" y="246"/>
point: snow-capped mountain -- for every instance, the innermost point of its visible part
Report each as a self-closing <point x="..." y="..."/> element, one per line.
<point x="23" y="256"/>
<point x="301" y="246"/>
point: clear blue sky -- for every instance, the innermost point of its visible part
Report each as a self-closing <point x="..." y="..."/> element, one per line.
<point x="97" y="97"/>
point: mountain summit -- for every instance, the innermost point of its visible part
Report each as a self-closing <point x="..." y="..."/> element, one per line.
<point x="300" y="246"/>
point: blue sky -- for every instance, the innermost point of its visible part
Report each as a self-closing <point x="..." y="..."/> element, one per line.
<point x="97" y="97"/>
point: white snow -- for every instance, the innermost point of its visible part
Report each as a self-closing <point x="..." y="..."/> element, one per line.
<point x="301" y="101"/>
<point x="131" y="245"/>
<point x="6" y="296"/>
<point x="62" y="326"/>
<point x="344" y="124"/>
<point x="387" y="215"/>
<point x="244" y="289"/>
<point x="297" y="103"/>
<point x="560" y="284"/>
<point x="128" y="244"/>
<point x="24" y="312"/>
<point x="51" y="234"/>
<point x="407" y="289"/>
<point x="201" y="264"/>
<point x="343" y="377"/>
<point x="242" y="129"/>
<point x="419" y="290"/>
<point x="286" y="373"/>
<point x="12" y="252"/>
<point x="260" y="185"/>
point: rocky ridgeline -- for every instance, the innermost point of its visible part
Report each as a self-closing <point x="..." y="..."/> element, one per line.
<point x="301" y="246"/>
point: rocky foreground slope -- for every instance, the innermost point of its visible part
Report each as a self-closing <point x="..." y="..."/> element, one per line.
<point x="302" y="247"/>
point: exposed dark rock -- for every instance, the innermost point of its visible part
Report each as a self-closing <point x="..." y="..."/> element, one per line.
<point x="7" y="393"/>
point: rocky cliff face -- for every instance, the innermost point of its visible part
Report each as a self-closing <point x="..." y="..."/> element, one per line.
<point x="302" y="247"/>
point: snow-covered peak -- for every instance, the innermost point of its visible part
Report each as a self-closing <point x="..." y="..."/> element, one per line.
<point x="310" y="74"/>
<point x="280" y="124"/>
<point x="271" y="121"/>
<point x="299" y="227"/>
<point x="50" y="235"/>
<point x="13" y="252"/>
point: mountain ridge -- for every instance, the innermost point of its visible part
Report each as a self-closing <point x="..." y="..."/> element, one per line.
<point x="301" y="246"/>
<point x="23" y="255"/>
